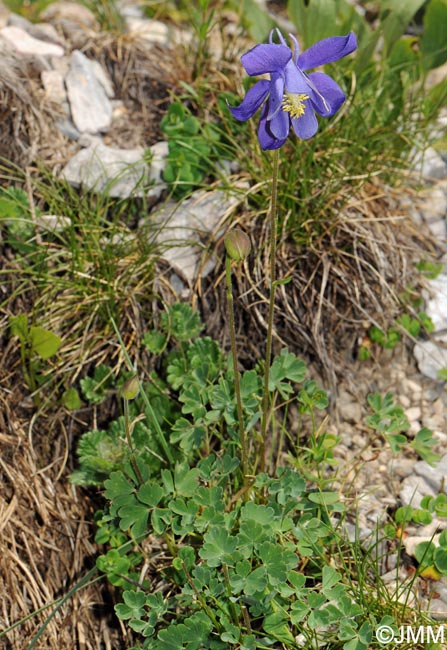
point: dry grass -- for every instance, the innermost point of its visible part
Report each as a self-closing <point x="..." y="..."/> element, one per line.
<point x="45" y="541"/>
<point x="27" y="120"/>
<point x="350" y="277"/>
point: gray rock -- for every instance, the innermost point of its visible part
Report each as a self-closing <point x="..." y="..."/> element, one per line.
<point x="159" y="153"/>
<point x="15" y="20"/>
<point x="53" y="83"/>
<point x="436" y="301"/>
<point x="430" y="358"/>
<point x="52" y="222"/>
<point x="181" y="228"/>
<point x="117" y="172"/>
<point x="430" y="165"/>
<point x="412" y="490"/>
<point x="46" y="32"/>
<point x="70" y="11"/>
<point x="436" y="476"/>
<point x="90" y="107"/>
<point x="23" y="43"/>
<point x="103" y="78"/>
<point x="67" y="128"/>
<point x="438" y="604"/>
<point x="151" y="31"/>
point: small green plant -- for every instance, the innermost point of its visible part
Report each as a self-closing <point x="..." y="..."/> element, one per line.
<point x="390" y="420"/>
<point x="15" y="215"/>
<point x="194" y="149"/>
<point x="37" y="345"/>
<point x="388" y="339"/>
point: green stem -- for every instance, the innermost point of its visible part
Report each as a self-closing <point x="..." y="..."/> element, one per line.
<point x="237" y="385"/>
<point x="156" y="425"/>
<point x="268" y="352"/>
<point x="133" y="460"/>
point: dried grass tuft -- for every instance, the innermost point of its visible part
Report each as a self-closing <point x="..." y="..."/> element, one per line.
<point x="27" y="120"/>
<point x="349" y="277"/>
<point x="45" y="548"/>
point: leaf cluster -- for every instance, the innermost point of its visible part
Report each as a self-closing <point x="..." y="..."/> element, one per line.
<point x="390" y="420"/>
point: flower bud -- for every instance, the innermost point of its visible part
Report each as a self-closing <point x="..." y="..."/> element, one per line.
<point x="130" y="388"/>
<point x="238" y="245"/>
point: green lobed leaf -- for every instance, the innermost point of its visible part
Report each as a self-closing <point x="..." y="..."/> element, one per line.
<point x="71" y="399"/>
<point x="434" y="36"/>
<point x="286" y="368"/>
<point x="43" y="342"/>
<point x="219" y="546"/>
<point x="440" y="559"/>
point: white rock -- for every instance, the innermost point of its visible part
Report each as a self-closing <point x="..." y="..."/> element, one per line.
<point x="434" y="476"/>
<point x="412" y="541"/>
<point x="90" y="107"/>
<point x="153" y="31"/>
<point x="430" y="358"/>
<point x="103" y="78"/>
<point x="413" y="489"/>
<point x="159" y="153"/>
<point x="53" y="83"/>
<point x="117" y="172"/>
<point x="181" y="227"/>
<point x="436" y="301"/>
<point x="414" y="413"/>
<point x="53" y="222"/>
<point x="429" y="164"/>
<point x="24" y="43"/>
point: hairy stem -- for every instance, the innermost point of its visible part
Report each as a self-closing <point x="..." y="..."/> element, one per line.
<point x="268" y="352"/>
<point x="237" y="385"/>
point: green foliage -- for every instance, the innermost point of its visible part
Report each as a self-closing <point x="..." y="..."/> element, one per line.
<point x="15" y="214"/>
<point x="37" y="344"/>
<point x="390" y="420"/>
<point x="404" y="324"/>
<point x="231" y="560"/>
<point x="95" y="389"/>
<point x="429" y="269"/>
<point x="434" y="37"/>
<point x="194" y="148"/>
<point x="433" y="555"/>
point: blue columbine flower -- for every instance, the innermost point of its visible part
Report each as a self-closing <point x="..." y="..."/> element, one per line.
<point x="292" y="96"/>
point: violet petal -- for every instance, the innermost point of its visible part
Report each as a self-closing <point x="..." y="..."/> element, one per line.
<point x="280" y="125"/>
<point x="252" y="101"/>
<point x="328" y="50"/>
<point x="276" y="94"/>
<point x="330" y="90"/>
<point x="305" y="126"/>
<point x="266" y="58"/>
<point x="266" y="139"/>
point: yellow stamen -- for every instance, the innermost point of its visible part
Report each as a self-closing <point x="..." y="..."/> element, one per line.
<point x="293" y="103"/>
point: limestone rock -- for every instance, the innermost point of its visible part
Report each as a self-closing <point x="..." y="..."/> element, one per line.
<point x="24" y="43"/>
<point x="434" y="476"/>
<point x="152" y="31"/>
<point x="412" y="490"/>
<point x="430" y="358"/>
<point x="70" y="11"/>
<point x="183" y="226"/>
<point x="90" y="107"/>
<point x="430" y="165"/>
<point x="116" y="172"/>
<point x="436" y="304"/>
<point x="53" y="83"/>
<point x="52" y="222"/>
